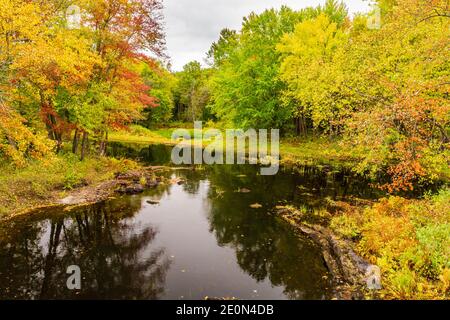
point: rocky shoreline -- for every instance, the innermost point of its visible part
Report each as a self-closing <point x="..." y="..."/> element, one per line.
<point x="131" y="182"/>
<point x="353" y="277"/>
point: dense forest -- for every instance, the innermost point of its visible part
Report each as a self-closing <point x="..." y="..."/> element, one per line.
<point x="74" y="72"/>
<point x="310" y="72"/>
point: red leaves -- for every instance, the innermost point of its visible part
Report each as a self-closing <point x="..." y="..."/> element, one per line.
<point x="416" y="117"/>
<point x="54" y="121"/>
<point x="133" y="25"/>
<point x="137" y="89"/>
<point x="124" y="31"/>
<point x="148" y="101"/>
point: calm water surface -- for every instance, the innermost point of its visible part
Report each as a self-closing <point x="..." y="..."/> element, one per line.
<point x="202" y="239"/>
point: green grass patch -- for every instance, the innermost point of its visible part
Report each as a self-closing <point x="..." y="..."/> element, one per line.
<point x="311" y="151"/>
<point x="43" y="182"/>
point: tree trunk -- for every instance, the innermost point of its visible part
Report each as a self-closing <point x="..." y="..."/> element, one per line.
<point x="75" y="142"/>
<point x="103" y="145"/>
<point x="53" y="133"/>
<point x="300" y="126"/>
<point x="297" y="126"/>
<point x="84" y="145"/>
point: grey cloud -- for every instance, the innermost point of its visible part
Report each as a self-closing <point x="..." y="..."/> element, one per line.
<point x="192" y="25"/>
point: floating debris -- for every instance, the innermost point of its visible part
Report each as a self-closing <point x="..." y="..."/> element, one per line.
<point x="256" y="206"/>
<point x="178" y="181"/>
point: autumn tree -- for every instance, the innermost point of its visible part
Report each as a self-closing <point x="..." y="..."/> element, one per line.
<point x="35" y="60"/>
<point x="386" y="89"/>
<point x="121" y="31"/>
<point x="309" y="61"/>
<point x="409" y="126"/>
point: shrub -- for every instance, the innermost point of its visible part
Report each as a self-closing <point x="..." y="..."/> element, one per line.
<point x="410" y="241"/>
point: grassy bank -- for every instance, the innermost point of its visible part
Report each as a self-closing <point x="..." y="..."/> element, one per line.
<point x="305" y="151"/>
<point x="138" y="134"/>
<point x="44" y="182"/>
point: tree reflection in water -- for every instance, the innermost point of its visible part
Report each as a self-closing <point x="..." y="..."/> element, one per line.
<point x="114" y="254"/>
<point x="119" y="258"/>
<point x="265" y="249"/>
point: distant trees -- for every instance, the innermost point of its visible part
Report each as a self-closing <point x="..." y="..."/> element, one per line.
<point x="245" y="85"/>
<point x="192" y="93"/>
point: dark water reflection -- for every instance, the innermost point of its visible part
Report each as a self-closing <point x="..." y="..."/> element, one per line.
<point x="102" y="240"/>
<point x="203" y="239"/>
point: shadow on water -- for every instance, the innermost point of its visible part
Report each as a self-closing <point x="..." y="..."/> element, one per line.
<point x="202" y="239"/>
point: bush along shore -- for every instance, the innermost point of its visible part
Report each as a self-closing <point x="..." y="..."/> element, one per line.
<point x="408" y="240"/>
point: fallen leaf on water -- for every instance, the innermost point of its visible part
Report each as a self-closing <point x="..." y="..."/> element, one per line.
<point x="256" y="206"/>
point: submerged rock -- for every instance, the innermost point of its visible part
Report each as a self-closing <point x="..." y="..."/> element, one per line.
<point x="131" y="189"/>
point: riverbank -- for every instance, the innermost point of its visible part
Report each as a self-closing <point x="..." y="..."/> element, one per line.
<point x="45" y="183"/>
<point x="293" y="151"/>
<point x="408" y="239"/>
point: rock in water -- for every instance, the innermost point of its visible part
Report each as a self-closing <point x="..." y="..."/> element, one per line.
<point x="131" y="189"/>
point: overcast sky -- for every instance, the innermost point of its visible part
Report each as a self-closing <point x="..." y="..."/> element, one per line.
<point x="193" y="25"/>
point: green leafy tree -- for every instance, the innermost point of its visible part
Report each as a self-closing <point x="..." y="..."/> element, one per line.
<point x="162" y="84"/>
<point x="309" y="63"/>
<point x="192" y="93"/>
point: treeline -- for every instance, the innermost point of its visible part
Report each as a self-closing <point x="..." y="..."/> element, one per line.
<point x="381" y="86"/>
<point x="73" y="69"/>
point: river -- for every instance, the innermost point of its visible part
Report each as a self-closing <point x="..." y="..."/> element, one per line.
<point x="213" y="236"/>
